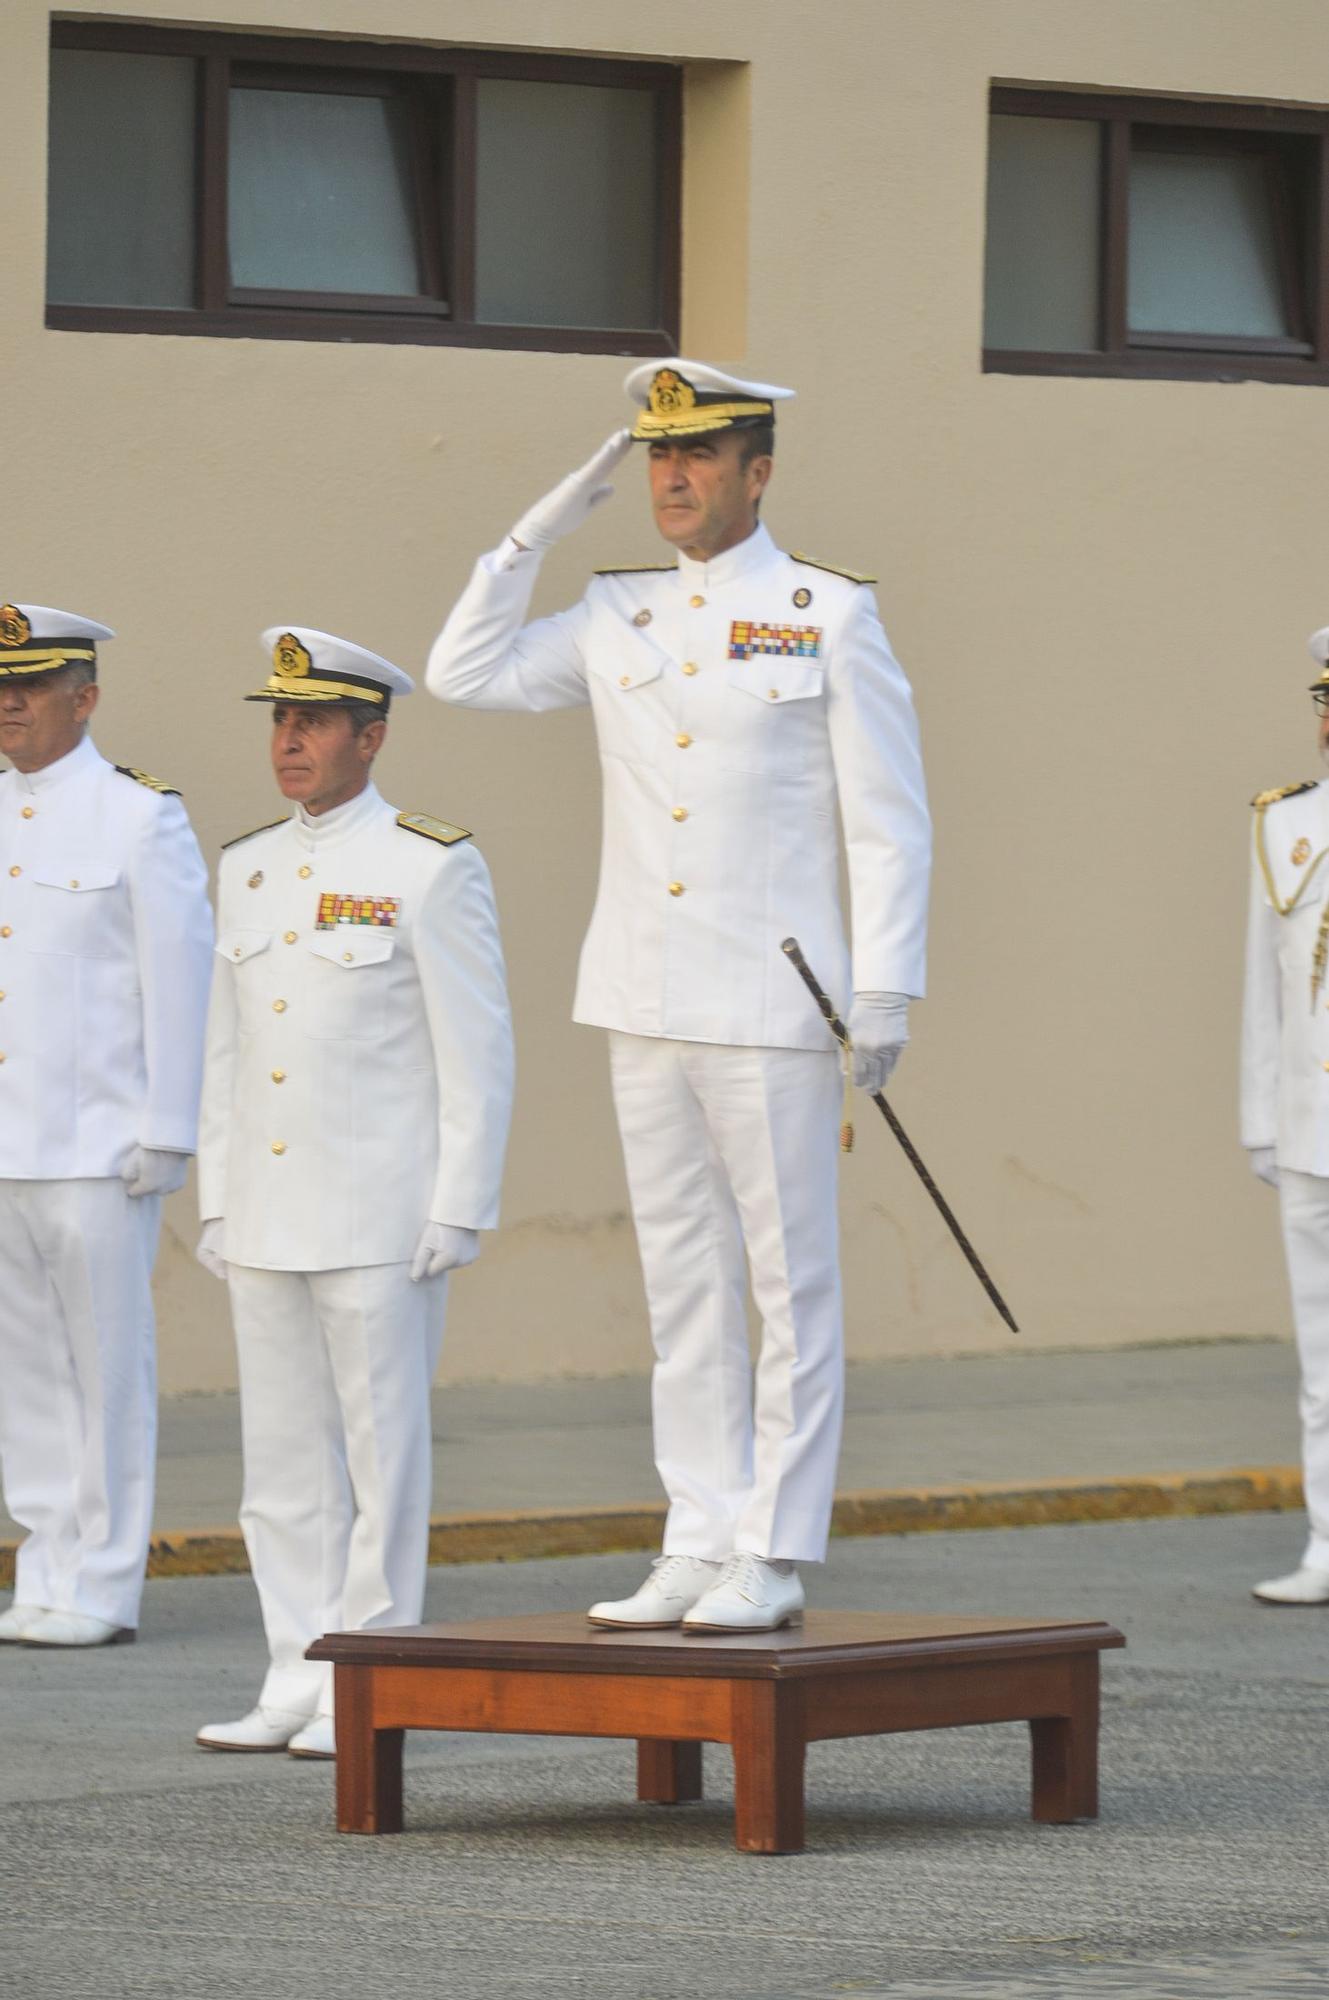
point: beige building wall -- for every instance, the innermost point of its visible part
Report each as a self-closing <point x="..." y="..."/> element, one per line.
<point x="1100" y="588"/>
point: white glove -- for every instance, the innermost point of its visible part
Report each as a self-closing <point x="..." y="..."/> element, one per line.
<point x="211" y="1251"/>
<point x="150" y="1170"/>
<point x="878" y="1029"/>
<point x="1264" y="1164"/>
<point x="563" y="510"/>
<point x="443" y="1248"/>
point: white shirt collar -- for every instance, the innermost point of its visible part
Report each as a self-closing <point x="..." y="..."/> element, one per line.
<point x="730" y="564"/>
<point x="329" y="829"/>
<point x="76" y="763"/>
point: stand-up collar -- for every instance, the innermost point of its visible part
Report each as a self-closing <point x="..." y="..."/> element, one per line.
<point x="79" y="762"/>
<point x="329" y="829"/>
<point x="730" y="564"/>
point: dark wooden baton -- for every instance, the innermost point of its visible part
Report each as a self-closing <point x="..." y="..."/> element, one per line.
<point x="841" y="1034"/>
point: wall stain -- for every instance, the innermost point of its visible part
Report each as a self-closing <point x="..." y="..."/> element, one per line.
<point x="1020" y="1172"/>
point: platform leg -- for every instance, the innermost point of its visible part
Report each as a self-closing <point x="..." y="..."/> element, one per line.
<point x="767" y="1726"/>
<point x="368" y="1760"/>
<point x="668" y="1774"/>
<point x="1065" y="1749"/>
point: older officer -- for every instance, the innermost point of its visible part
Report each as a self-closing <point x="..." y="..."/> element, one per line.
<point x="739" y="694"/>
<point x="1285" y="1098"/>
<point x="105" y="944"/>
<point x="355" y="1110"/>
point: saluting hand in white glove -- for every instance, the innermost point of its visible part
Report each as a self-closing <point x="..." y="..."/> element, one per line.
<point x="151" y="1170"/>
<point x="1264" y="1164"/>
<point x="878" y="1029"/>
<point x="211" y="1250"/>
<point x="564" y="510"/>
<point x="443" y="1248"/>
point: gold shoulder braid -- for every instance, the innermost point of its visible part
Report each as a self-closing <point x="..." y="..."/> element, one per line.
<point x="831" y="569"/>
<point x="1261" y="802"/>
<point x="266" y="827"/>
<point x="440" y="830"/>
<point x="143" y="778"/>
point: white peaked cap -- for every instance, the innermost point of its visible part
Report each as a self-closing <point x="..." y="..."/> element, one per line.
<point x="308" y="665"/>
<point x="682" y="398"/>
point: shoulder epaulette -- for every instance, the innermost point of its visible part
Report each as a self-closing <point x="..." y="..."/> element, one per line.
<point x="634" y="569"/>
<point x="143" y="778"/>
<point x="1263" y="799"/>
<point x="832" y="569"/>
<point x="440" y="830"/>
<point x="265" y="828"/>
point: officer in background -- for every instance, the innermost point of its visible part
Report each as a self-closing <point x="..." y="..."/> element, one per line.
<point x="356" y="1098"/>
<point x="740" y="697"/>
<point x="1285" y="1098"/>
<point x="105" y="948"/>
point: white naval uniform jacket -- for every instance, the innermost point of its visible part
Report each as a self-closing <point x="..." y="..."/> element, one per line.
<point x="105" y="950"/>
<point x="1285" y="1020"/>
<point x="359" y="1061"/>
<point x="725" y="745"/>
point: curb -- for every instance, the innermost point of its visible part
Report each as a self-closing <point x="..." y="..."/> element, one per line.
<point x="587" y="1531"/>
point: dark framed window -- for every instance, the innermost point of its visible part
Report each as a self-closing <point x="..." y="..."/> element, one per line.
<point x="310" y="190"/>
<point x="1156" y="237"/>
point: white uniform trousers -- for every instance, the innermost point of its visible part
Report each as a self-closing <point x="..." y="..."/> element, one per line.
<point x="725" y="1148"/>
<point x="335" y="1373"/>
<point x="1304" y="1199"/>
<point x="78" y="1390"/>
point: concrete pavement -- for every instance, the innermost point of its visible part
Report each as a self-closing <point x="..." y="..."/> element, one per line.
<point x="138" y="1866"/>
<point x="1067" y="1435"/>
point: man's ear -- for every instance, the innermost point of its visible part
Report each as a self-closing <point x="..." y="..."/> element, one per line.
<point x="371" y="739"/>
<point x="86" y="699"/>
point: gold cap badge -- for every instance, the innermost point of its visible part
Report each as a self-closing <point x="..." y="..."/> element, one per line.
<point x="671" y="395"/>
<point x="14" y="627"/>
<point x="290" y="659"/>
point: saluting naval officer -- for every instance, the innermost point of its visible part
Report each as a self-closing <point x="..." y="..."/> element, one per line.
<point x="356" y="1098"/>
<point x="1285" y="1098"/>
<point x="740" y="695"/>
<point x="105" y="948"/>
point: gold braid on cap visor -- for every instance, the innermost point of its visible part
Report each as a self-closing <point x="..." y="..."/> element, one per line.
<point x="279" y="689"/>
<point x="701" y="417"/>
<point x="44" y="659"/>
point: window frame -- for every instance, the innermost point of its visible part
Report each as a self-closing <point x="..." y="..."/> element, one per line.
<point x="1198" y="124"/>
<point x="445" y="317"/>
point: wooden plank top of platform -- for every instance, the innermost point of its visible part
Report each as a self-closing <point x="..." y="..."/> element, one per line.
<point x="827" y="1642"/>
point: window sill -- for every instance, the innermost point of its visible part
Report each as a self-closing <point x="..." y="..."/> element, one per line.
<point x="381" y="330"/>
<point x="1163" y="364"/>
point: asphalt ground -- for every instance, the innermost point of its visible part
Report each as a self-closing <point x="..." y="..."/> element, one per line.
<point x="1078" y="1433"/>
<point x="137" y="1865"/>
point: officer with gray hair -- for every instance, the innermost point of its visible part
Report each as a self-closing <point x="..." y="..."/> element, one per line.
<point x="105" y="947"/>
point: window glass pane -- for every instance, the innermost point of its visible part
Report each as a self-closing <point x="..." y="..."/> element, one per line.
<point x="320" y="193"/>
<point x="567" y="228"/>
<point x="120" y="228"/>
<point x="1203" y="257"/>
<point x="1041" y="290"/>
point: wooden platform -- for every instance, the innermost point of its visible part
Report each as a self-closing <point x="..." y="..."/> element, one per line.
<point x="766" y="1694"/>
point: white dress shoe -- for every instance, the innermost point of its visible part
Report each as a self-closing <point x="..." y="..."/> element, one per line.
<point x="76" y="1628"/>
<point x="17" y="1622"/>
<point x="749" y="1595"/>
<point x="1302" y="1586"/>
<point x="317" y="1739"/>
<point x="261" y="1729"/>
<point x="673" y="1587"/>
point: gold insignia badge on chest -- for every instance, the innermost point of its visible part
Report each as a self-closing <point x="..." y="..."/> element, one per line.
<point x="256" y="879"/>
<point x="1301" y="853"/>
<point x="749" y="637"/>
<point x="802" y="599"/>
<point x="334" y="910"/>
